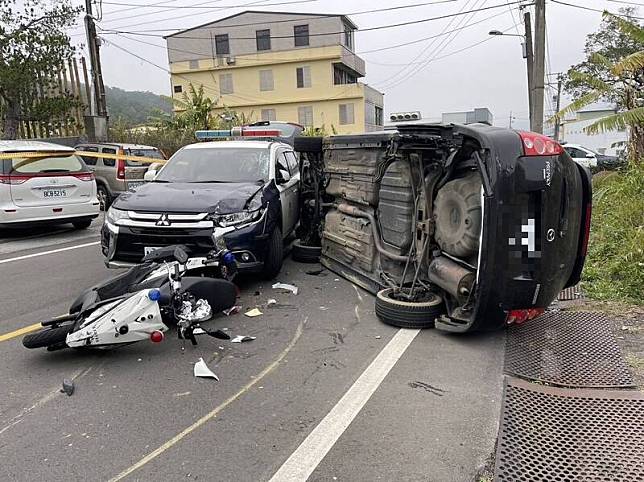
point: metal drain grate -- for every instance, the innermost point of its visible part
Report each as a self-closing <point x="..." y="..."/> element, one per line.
<point x="569" y="435"/>
<point x="572" y="293"/>
<point x="572" y="349"/>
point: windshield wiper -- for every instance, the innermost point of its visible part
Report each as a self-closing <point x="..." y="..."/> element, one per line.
<point x="55" y="170"/>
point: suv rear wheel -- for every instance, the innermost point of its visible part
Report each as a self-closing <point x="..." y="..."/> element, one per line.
<point x="82" y="223"/>
<point x="274" y="255"/>
<point x="408" y="314"/>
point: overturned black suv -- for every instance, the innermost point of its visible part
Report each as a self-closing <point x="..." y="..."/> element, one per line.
<point x="460" y="227"/>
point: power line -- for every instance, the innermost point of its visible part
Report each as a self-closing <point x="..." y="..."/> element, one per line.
<point x="626" y="3"/>
<point x="142" y="6"/>
<point x="594" y="9"/>
<point x="368" y="29"/>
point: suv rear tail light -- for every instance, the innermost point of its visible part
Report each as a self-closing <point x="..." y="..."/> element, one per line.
<point x="120" y="167"/>
<point x="13" y="180"/>
<point x="85" y="176"/>
<point x="539" y="145"/>
<point x="519" y="316"/>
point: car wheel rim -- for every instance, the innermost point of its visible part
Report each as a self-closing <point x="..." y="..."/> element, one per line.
<point x="102" y="199"/>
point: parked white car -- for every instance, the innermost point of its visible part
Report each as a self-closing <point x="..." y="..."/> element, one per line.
<point x="55" y="188"/>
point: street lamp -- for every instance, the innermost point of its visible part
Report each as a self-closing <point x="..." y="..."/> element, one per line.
<point x="527" y="55"/>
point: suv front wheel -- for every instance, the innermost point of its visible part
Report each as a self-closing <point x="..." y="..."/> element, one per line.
<point x="274" y="254"/>
<point x="103" y="196"/>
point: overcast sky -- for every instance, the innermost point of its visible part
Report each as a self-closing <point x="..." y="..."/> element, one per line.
<point x="432" y="76"/>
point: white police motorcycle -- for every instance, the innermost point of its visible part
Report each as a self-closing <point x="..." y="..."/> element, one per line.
<point x="169" y="287"/>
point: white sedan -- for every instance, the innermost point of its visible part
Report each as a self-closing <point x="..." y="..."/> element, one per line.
<point x="54" y="186"/>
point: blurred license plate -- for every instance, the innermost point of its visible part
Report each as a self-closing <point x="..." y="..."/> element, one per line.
<point x="134" y="184"/>
<point x="148" y="249"/>
<point x="55" y="193"/>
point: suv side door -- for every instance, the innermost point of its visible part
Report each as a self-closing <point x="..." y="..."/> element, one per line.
<point x="287" y="188"/>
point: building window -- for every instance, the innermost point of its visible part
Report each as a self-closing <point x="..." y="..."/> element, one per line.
<point x="268" y="115"/>
<point x="263" y="39"/>
<point x="301" y="34"/>
<point x="346" y="114"/>
<point x="379" y="116"/>
<point x="222" y="47"/>
<point x="305" y="116"/>
<point x="342" y="76"/>
<point x="348" y="37"/>
<point x="226" y="84"/>
<point x="266" y="80"/>
<point x="303" y="77"/>
<point x="178" y="89"/>
<point x="193" y="64"/>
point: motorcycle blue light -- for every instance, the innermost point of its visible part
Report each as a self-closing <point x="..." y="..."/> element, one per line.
<point x="229" y="258"/>
<point x="154" y="294"/>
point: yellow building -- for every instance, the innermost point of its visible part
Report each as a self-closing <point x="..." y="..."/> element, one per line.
<point x="279" y="66"/>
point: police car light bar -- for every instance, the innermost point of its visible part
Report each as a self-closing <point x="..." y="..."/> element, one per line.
<point x="236" y="132"/>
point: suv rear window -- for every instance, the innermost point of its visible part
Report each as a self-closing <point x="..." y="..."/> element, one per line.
<point x="47" y="164"/>
<point x="153" y="153"/>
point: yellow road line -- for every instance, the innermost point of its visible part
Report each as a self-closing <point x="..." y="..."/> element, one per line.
<point x="212" y="414"/>
<point x="21" y="331"/>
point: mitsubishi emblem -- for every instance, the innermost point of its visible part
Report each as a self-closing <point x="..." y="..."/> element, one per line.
<point x="163" y="220"/>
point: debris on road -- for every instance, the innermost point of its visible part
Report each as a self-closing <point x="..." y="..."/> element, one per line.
<point x="232" y="311"/>
<point x="202" y="370"/>
<point x="316" y="272"/>
<point x="253" y="312"/>
<point x="378" y="337"/>
<point x="271" y="301"/>
<point x="285" y="286"/>
<point x="242" y="339"/>
<point x="68" y="387"/>
<point x="198" y="331"/>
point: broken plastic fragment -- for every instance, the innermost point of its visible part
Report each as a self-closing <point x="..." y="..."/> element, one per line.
<point x="253" y="312"/>
<point x="68" y="387"/>
<point x="315" y="272"/>
<point x="233" y="310"/>
<point x="285" y="286"/>
<point x="271" y="301"/>
<point x="242" y="338"/>
<point x="198" y="331"/>
<point x="202" y="370"/>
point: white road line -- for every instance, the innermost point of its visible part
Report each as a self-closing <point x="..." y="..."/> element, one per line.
<point x="53" y="251"/>
<point x="301" y="464"/>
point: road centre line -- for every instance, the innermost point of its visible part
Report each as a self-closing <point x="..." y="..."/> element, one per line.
<point x="20" y="331"/>
<point x="301" y="464"/>
<point x="53" y="251"/>
<point x="214" y="412"/>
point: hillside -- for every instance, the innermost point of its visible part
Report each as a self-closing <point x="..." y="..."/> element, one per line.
<point x="133" y="107"/>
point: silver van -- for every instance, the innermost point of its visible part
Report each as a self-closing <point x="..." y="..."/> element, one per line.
<point x="116" y="176"/>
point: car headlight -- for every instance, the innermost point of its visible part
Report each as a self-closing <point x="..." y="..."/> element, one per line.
<point x="235" y="219"/>
<point x="114" y="215"/>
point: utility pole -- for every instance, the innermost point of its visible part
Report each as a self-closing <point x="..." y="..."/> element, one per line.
<point x="529" y="59"/>
<point x="510" y="123"/>
<point x="558" y="106"/>
<point x="539" y="63"/>
<point x="98" y="108"/>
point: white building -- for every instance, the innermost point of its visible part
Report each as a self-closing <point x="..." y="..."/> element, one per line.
<point x="572" y="129"/>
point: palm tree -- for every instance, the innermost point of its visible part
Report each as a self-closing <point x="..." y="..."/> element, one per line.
<point x="624" y="83"/>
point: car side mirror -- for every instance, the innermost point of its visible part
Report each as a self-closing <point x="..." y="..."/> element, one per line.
<point x="590" y="156"/>
<point x="282" y="176"/>
<point x="149" y="175"/>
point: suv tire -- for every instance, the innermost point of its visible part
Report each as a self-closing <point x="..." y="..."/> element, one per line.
<point x="307" y="144"/>
<point x="103" y="196"/>
<point x="305" y="254"/>
<point x="406" y="314"/>
<point x="82" y="223"/>
<point x="274" y="255"/>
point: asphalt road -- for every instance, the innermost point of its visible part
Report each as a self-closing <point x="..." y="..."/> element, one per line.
<point x="325" y="390"/>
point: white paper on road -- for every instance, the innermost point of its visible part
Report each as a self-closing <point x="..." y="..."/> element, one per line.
<point x="242" y="338"/>
<point x="285" y="286"/>
<point x="202" y="370"/>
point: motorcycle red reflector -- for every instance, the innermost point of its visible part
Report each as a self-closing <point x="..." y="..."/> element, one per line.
<point x="157" y="336"/>
<point x="519" y="316"/>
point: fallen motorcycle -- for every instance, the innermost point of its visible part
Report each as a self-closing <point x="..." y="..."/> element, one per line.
<point x="168" y="288"/>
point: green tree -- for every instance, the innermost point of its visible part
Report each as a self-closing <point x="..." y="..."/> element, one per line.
<point x="194" y="109"/>
<point x="33" y="48"/>
<point x="614" y="72"/>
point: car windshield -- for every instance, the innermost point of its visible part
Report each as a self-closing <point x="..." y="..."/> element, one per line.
<point x="217" y="164"/>
<point x="34" y="165"/>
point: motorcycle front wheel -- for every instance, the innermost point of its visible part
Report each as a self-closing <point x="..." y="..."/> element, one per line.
<point x="47" y="336"/>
